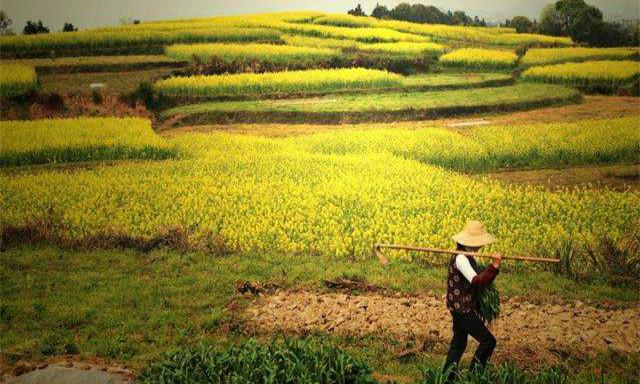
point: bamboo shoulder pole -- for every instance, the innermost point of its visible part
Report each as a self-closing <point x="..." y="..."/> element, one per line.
<point x="383" y="259"/>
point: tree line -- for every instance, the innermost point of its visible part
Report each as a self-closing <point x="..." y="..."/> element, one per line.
<point x="420" y="13"/>
<point x="584" y="23"/>
<point x="34" y="28"/>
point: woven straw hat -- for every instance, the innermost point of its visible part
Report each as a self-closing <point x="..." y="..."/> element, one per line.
<point x="474" y="235"/>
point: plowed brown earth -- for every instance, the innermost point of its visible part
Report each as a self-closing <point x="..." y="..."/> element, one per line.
<point x="527" y="333"/>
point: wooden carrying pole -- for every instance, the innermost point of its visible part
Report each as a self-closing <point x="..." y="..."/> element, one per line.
<point x="383" y="259"/>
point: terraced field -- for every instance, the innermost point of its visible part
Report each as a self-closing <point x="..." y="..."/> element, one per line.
<point x="123" y="239"/>
<point x="377" y="107"/>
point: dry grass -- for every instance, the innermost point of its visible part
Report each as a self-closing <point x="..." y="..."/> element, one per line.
<point x="116" y="82"/>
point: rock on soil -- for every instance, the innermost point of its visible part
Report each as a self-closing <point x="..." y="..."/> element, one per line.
<point x="68" y="373"/>
<point x="528" y="333"/>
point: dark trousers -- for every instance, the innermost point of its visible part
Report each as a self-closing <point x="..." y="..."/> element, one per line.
<point x="465" y="324"/>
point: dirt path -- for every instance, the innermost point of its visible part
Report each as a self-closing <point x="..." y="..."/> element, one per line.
<point x="535" y="334"/>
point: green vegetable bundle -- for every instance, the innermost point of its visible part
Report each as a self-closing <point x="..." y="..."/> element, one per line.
<point x="488" y="300"/>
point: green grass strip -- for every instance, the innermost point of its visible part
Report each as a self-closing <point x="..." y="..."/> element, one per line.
<point x="378" y="107"/>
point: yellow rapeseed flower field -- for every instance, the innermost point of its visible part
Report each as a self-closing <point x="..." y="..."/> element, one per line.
<point x="124" y="39"/>
<point x="279" y="54"/>
<point x="17" y="79"/>
<point x="81" y="139"/>
<point x="414" y="49"/>
<point x="478" y="58"/>
<point x="590" y="74"/>
<point x="292" y="196"/>
<point x="318" y="80"/>
<point x="545" y="56"/>
<point x="403" y="48"/>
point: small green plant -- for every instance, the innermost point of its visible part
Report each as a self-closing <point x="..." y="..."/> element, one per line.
<point x="290" y="361"/>
<point x="96" y="96"/>
<point x="58" y="343"/>
<point x="499" y="374"/>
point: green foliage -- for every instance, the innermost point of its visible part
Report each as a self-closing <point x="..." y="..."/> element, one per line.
<point x="500" y="374"/>
<point x="379" y="107"/>
<point x="303" y="361"/>
<point x="617" y="260"/>
<point x="585" y="24"/>
<point x="488" y="303"/>
<point x="58" y="343"/>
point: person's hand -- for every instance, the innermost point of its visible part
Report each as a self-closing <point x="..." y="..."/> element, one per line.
<point x="497" y="259"/>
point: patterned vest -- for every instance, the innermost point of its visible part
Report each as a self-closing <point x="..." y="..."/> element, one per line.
<point x="460" y="292"/>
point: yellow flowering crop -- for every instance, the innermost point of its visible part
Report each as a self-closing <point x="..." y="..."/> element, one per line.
<point x="280" y="54"/>
<point x="342" y="20"/>
<point x="368" y="35"/>
<point x="478" y="58"/>
<point x="403" y="48"/>
<point x="83" y="139"/>
<point x="17" y="79"/>
<point x="590" y="74"/>
<point x="310" y="41"/>
<point x="397" y="48"/>
<point x="494" y="36"/>
<point x="317" y="80"/>
<point x="288" y="195"/>
<point x="545" y="56"/>
<point x="127" y="39"/>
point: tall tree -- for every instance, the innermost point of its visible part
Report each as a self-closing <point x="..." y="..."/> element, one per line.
<point x="579" y="19"/>
<point x="550" y="23"/>
<point x="357" y="11"/>
<point x="380" y="12"/>
<point x="5" y="24"/>
<point x="33" y="28"/>
<point x="68" y="27"/>
<point x="522" y="24"/>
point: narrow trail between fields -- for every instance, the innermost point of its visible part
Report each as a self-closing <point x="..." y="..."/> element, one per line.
<point x="527" y="333"/>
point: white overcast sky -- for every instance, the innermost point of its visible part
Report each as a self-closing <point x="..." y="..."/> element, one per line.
<point x="93" y="13"/>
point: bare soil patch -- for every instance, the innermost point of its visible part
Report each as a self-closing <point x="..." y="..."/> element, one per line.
<point x="617" y="177"/>
<point x="528" y="334"/>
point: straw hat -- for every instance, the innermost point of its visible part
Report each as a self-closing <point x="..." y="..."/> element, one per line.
<point x="474" y="235"/>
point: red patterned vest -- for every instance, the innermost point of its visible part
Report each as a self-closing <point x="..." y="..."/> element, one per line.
<point x="460" y="292"/>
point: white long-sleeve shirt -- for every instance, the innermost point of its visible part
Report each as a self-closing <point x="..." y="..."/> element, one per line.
<point x="463" y="265"/>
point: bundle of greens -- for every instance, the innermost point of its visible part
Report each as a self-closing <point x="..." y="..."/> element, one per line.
<point x="488" y="300"/>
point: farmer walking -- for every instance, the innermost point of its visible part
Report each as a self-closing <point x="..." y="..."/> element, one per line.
<point x="463" y="280"/>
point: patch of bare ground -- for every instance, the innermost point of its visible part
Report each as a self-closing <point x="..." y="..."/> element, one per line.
<point x="593" y="107"/>
<point x="530" y="335"/>
<point x="623" y="177"/>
